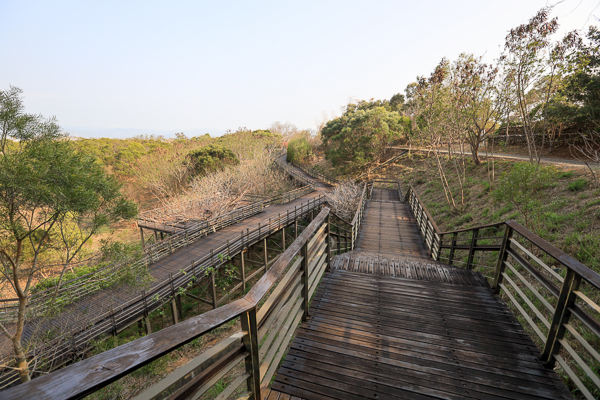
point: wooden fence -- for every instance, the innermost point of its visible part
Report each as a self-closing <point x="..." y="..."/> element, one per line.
<point x="317" y="174"/>
<point x="269" y="315"/>
<point x="552" y="294"/>
<point x="117" y="319"/>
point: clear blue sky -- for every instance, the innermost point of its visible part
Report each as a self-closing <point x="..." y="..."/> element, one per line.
<point x="120" y="68"/>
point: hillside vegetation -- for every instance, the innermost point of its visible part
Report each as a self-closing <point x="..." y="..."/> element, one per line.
<point x="561" y="206"/>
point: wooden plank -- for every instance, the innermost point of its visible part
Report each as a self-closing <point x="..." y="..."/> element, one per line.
<point x="421" y="339"/>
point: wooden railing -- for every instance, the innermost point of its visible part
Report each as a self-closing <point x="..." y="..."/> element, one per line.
<point x="85" y="285"/>
<point x="555" y="296"/>
<point x="295" y="175"/>
<point x="358" y="216"/>
<point x="269" y="315"/>
<point x="215" y="223"/>
<point x="317" y="174"/>
<point x="115" y="320"/>
<point x="427" y="226"/>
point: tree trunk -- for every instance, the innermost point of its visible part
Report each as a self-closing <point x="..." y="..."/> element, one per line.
<point x="20" y="353"/>
<point x="475" y="154"/>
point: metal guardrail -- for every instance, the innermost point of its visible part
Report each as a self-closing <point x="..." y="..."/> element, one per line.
<point x="554" y="295"/>
<point x="269" y="315"/>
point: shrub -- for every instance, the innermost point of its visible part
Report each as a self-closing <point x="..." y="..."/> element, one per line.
<point x="299" y="150"/>
<point x="213" y="157"/>
<point x="577" y="185"/>
<point x="566" y="174"/>
<point x="520" y="187"/>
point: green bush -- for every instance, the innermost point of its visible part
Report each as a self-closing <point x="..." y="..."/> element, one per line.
<point x="566" y="174"/>
<point x="213" y="157"/>
<point x="299" y="150"/>
<point x="521" y="187"/>
<point x="577" y="185"/>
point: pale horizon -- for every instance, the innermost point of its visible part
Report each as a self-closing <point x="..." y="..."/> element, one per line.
<point x="123" y="69"/>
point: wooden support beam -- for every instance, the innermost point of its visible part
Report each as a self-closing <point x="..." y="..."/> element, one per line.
<point x="265" y="251"/>
<point x="243" y="271"/>
<point x="142" y="237"/>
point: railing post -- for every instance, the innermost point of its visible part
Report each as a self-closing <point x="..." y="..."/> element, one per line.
<point x="561" y="316"/>
<point x="243" y="271"/>
<point x="250" y="326"/>
<point x="265" y="252"/>
<point x="472" y="248"/>
<point x="174" y="309"/>
<point x="452" y="248"/>
<point x="502" y="259"/>
<point x="437" y="240"/>
<point x="305" y="273"/>
<point x="329" y="240"/>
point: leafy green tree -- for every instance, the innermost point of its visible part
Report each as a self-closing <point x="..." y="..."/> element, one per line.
<point x="397" y="102"/>
<point x="45" y="186"/>
<point x="299" y="150"/>
<point x="577" y="104"/>
<point x="362" y="134"/>
<point x="211" y="158"/>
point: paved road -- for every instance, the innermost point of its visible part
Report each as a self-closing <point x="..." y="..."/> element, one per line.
<point x="561" y="162"/>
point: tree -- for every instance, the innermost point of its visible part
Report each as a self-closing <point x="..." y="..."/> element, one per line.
<point x="397" y="102"/>
<point x="299" y="150"/>
<point x="521" y="187"/>
<point x="362" y="134"/>
<point x="286" y="130"/>
<point x="45" y="186"/>
<point x="483" y="100"/>
<point x="211" y="158"/>
<point x="532" y="65"/>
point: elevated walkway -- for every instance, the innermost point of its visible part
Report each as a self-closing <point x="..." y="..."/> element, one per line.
<point x="384" y="321"/>
<point x="389" y="227"/>
<point x="388" y="322"/>
<point x="386" y="337"/>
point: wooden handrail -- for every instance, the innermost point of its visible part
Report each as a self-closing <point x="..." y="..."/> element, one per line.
<point x="360" y="203"/>
<point x="585" y="272"/>
<point x="565" y="294"/>
<point x="494" y="225"/>
<point x="85" y="377"/>
<point x="412" y="190"/>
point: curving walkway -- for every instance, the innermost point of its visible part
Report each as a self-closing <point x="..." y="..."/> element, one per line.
<point x="97" y="307"/>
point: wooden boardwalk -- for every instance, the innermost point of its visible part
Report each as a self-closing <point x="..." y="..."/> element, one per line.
<point x="406" y="267"/>
<point x="385" y="337"/>
<point x="389" y="227"/>
<point x="387" y="322"/>
<point x="77" y="315"/>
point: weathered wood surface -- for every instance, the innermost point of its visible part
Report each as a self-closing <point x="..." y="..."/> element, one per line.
<point x="406" y="267"/>
<point x="389" y="227"/>
<point x="270" y="394"/>
<point x="386" y="337"/>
